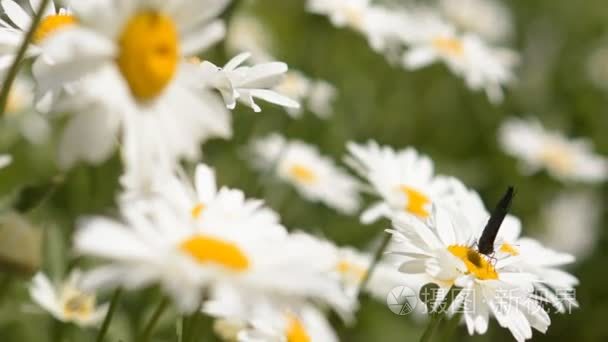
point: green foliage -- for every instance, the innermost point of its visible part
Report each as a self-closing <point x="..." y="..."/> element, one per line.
<point x="429" y="109"/>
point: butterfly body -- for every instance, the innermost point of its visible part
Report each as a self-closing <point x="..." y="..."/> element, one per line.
<point x="485" y="245"/>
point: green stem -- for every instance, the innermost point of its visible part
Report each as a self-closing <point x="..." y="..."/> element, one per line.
<point x="6" y="281"/>
<point x="438" y="315"/>
<point x="372" y="267"/>
<point x="14" y="69"/>
<point x="162" y="306"/>
<point x="430" y="328"/>
<point x="108" y="319"/>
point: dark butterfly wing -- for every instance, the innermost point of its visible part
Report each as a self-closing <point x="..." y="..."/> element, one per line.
<point x="486" y="241"/>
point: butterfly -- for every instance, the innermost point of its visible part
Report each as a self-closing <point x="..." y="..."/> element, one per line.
<point x="485" y="245"/>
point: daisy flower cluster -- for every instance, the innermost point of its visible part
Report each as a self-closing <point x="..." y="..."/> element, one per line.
<point x="132" y="79"/>
<point x="468" y="36"/>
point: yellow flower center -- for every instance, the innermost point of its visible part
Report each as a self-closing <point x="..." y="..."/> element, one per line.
<point x="509" y="249"/>
<point x="209" y="250"/>
<point x="349" y="269"/>
<point x="149" y="54"/>
<point x="51" y="24"/>
<point x="476" y="263"/>
<point x="449" y="46"/>
<point x="416" y="201"/>
<point x="558" y="158"/>
<point x="197" y="210"/>
<point x="296" y="331"/>
<point x="302" y="174"/>
<point x="76" y="304"/>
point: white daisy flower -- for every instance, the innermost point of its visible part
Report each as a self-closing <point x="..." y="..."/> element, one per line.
<point x="244" y="83"/>
<point x="156" y="102"/>
<point x="5" y="160"/>
<point x="222" y="241"/>
<point x="20" y="111"/>
<point x="483" y="67"/>
<point x="382" y="26"/>
<point x="528" y="255"/>
<point x="403" y="179"/>
<point x="54" y="19"/>
<point x="443" y="251"/>
<point x="341" y="13"/>
<point x="246" y="313"/>
<point x="488" y="18"/>
<point x="564" y="159"/>
<point x="299" y="274"/>
<point x="68" y="302"/>
<point x="157" y="242"/>
<point x="302" y="323"/>
<point x="314" y="176"/>
<point x="349" y="267"/>
<point x="567" y="210"/>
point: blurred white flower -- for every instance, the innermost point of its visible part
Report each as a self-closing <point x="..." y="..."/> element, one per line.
<point x="159" y="243"/>
<point x="314" y="176"/>
<point x="383" y="27"/>
<point x="247" y="34"/>
<point x="54" y="19"/>
<point x="403" y="179"/>
<point x="341" y="13"/>
<point x="537" y="148"/>
<point x="155" y="102"/>
<point x="349" y="267"/>
<point x="489" y="18"/>
<point x="20" y="110"/>
<point x="483" y="67"/>
<point x="190" y="240"/>
<point x="300" y="275"/>
<point x="244" y="83"/>
<point x="442" y="251"/>
<point x="69" y="302"/>
<point x="568" y="210"/>
<point x="301" y="323"/>
<point x="317" y="94"/>
<point x="5" y="160"/>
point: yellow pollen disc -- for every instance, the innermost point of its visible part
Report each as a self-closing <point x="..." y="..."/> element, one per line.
<point x="51" y="24"/>
<point x="450" y="46"/>
<point x="296" y="331"/>
<point x="77" y="304"/>
<point x="149" y="54"/>
<point x="197" y="210"/>
<point x="302" y="174"/>
<point x="509" y="249"/>
<point x="209" y="250"/>
<point x="557" y="158"/>
<point x="476" y="263"/>
<point x="351" y="270"/>
<point x="416" y="201"/>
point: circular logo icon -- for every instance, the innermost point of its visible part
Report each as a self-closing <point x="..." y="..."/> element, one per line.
<point x="401" y="300"/>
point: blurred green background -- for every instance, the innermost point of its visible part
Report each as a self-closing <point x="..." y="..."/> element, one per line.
<point x="430" y="109"/>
